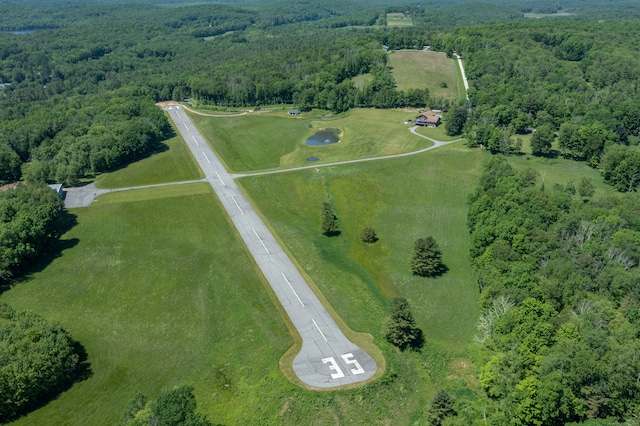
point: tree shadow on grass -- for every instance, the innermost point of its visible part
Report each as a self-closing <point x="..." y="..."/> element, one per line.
<point x="443" y="269"/>
<point x="331" y="233"/>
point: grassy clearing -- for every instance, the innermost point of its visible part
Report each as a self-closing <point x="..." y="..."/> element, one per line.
<point x="399" y="20"/>
<point x="547" y="15"/>
<point x="362" y="80"/>
<point x="159" y="302"/>
<point x="274" y="140"/>
<point x="413" y="69"/>
<point x="402" y="199"/>
<point x="173" y="164"/>
<point x="438" y="133"/>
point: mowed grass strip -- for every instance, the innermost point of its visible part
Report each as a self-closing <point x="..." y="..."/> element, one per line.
<point x="402" y="199"/>
<point x="173" y="163"/>
<point x="160" y="293"/>
<point x="277" y="141"/>
<point x="413" y="69"/>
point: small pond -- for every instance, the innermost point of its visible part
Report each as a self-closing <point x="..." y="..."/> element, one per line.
<point x="324" y="137"/>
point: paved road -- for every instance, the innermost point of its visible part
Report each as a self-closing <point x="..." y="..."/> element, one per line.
<point x="84" y="196"/>
<point x="327" y="358"/>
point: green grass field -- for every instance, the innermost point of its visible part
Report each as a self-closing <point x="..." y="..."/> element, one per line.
<point x="174" y="164"/>
<point x="399" y="20"/>
<point x="160" y="293"/>
<point x="403" y="200"/>
<point x="157" y="287"/>
<point x="275" y="140"/>
<point x="438" y="133"/>
<point x="413" y="69"/>
<point x="159" y="302"/>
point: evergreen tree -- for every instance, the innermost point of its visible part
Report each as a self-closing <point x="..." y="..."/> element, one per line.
<point x="329" y="221"/>
<point x="440" y="408"/>
<point x="401" y="329"/>
<point x="426" y="259"/>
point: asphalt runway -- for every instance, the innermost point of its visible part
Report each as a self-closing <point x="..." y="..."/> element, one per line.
<point x="327" y="358"/>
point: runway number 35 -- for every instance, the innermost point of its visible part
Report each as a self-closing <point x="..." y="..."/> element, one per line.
<point x="348" y="359"/>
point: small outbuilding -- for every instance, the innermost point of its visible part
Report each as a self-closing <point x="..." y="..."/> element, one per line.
<point x="58" y="188"/>
<point x="294" y="112"/>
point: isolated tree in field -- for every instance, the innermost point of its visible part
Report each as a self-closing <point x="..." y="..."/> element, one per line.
<point x="329" y="221"/>
<point x="426" y="259"/>
<point x="440" y="408"/>
<point x="401" y="329"/>
<point x="542" y="139"/>
<point x="369" y="235"/>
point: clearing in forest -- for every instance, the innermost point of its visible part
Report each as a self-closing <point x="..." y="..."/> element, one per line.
<point x="399" y="20"/>
<point x="413" y="69"/>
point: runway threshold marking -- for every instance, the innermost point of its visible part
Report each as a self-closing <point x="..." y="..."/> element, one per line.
<point x="237" y="205"/>
<point x="260" y="239"/>
<point x="223" y="184"/>
<point x="323" y="336"/>
<point x="294" y="292"/>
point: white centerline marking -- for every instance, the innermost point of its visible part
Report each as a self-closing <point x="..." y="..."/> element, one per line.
<point x="314" y="323"/>
<point x="205" y="156"/>
<point x="223" y="184"/>
<point x="237" y="205"/>
<point x="261" y="242"/>
<point x="294" y="292"/>
<point x="194" y="139"/>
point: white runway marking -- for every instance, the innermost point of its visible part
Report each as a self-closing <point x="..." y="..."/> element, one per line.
<point x="223" y="184"/>
<point x="207" y="158"/>
<point x="194" y="139"/>
<point x="294" y="292"/>
<point x="261" y="242"/>
<point x="237" y="205"/>
<point x="314" y="323"/>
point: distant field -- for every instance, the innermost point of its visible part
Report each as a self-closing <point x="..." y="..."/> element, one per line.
<point x="414" y="69"/>
<point x="399" y="20"/>
<point x="274" y="140"/>
<point x="546" y="15"/>
<point x="174" y="164"/>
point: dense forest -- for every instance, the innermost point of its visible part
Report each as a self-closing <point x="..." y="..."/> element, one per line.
<point x="557" y="269"/>
<point x="559" y="284"/>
